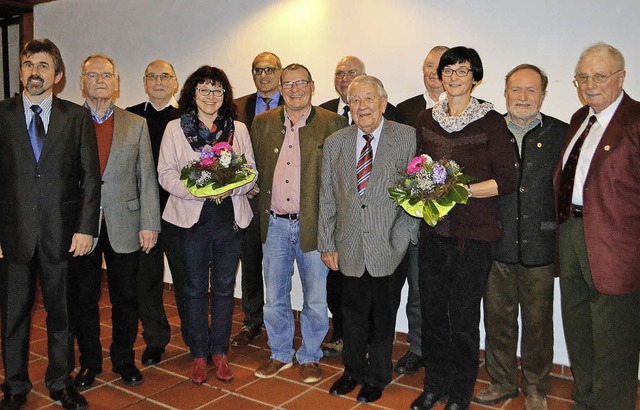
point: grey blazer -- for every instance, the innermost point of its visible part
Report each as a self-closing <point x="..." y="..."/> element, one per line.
<point x="370" y="231"/>
<point x="130" y="183"/>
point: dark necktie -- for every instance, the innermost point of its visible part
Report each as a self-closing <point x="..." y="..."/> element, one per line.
<point x="365" y="163"/>
<point x="36" y="131"/>
<point x="569" y="174"/>
<point x="345" y="113"/>
<point x="266" y="100"/>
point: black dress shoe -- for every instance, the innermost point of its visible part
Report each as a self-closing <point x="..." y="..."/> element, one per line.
<point x="456" y="406"/>
<point x="343" y="385"/>
<point x="13" y="401"/>
<point x="369" y="393"/>
<point x="408" y="364"/>
<point x="152" y="355"/>
<point x="85" y="378"/>
<point x="69" y="398"/>
<point x="427" y="400"/>
<point x="130" y="374"/>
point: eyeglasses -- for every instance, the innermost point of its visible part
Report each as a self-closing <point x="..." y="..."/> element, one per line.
<point x="460" y="72"/>
<point x="300" y="83"/>
<point x="349" y="74"/>
<point x="582" y="78"/>
<point x="217" y="92"/>
<point x="94" y="76"/>
<point x="164" y="77"/>
<point x="263" y="70"/>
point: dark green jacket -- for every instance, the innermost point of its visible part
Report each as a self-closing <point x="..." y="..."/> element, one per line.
<point x="267" y="135"/>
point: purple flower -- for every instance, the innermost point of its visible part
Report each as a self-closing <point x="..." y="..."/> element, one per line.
<point x="439" y="174"/>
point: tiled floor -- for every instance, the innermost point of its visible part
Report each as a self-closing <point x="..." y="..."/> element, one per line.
<point x="167" y="385"/>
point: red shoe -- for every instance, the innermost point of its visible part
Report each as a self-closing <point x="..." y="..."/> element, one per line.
<point x="223" y="372"/>
<point x="199" y="371"/>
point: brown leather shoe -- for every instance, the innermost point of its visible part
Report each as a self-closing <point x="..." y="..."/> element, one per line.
<point x="245" y="336"/>
<point x="223" y="371"/>
<point x="310" y="372"/>
<point x="271" y="368"/>
<point x="199" y="370"/>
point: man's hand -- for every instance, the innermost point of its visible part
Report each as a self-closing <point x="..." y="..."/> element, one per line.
<point x="148" y="240"/>
<point x="81" y="244"/>
<point x="330" y="259"/>
<point x="1" y="255"/>
<point x="254" y="191"/>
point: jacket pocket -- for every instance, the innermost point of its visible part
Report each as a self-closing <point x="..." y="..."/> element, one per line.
<point x="133" y="204"/>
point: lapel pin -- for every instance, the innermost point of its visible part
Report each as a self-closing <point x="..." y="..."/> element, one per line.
<point x="276" y="150"/>
<point x="607" y="147"/>
<point x="539" y="145"/>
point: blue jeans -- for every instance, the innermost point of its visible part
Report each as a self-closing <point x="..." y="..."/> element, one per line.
<point x="280" y="250"/>
<point x="210" y="251"/>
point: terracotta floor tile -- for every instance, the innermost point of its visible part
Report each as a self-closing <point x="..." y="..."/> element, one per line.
<point x="39" y="401"/>
<point x="187" y="395"/>
<point x="561" y="388"/>
<point x="110" y="397"/>
<point x="235" y="402"/>
<point x="254" y="359"/>
<point x="156" y="380"/>
<point x="146" y="404"/>
<point x="415" y="380"/>
<point x="319" y="399"/>
<point x="397" y="396"/>
<point x="274" y="391"/>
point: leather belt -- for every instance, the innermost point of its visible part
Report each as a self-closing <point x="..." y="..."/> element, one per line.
<point x="576" y="211"/>
<point x="291" y="217"/>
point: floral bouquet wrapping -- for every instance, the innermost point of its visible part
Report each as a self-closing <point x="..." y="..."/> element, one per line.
<point x="217" y="171"/>
<point x="430" y="189"/>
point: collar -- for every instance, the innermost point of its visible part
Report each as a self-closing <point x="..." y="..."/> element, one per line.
<point x="537" y="120"/>
<point x="274" y="97"/>
<point x="604" y="116"/>
<point x="172" y="103"/>
<point x="97" y="119"/>
<point x="44" y="104"/>
<point x="375" y="134"/>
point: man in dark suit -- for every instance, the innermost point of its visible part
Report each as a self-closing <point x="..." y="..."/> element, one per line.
<point x="362" y="232"/>
<point x="348" y="68"/>
<point x="408" y="111"/>
<point x="130" y="223"/>
<point x="266" y="68"/>
<point x="160" y="85"/>
<point x="49" y="205"/>
<point x="598" y="204"/>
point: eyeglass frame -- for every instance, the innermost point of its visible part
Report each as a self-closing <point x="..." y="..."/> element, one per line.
<point x="349" y="73"/>
<point x="465" y="70"/>
<point x="264" y="70"/>
<point x="164" y="77"/>
<point x="94" y="76"/>
<point x="209" y="92"/>
<point x="300" y="83"/>
<point x="597" y="78"/>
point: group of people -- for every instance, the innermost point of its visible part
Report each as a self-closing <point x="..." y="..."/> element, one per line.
<point x="86" y="182"/>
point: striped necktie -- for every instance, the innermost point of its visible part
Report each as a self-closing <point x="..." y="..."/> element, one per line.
<point x="568" y="176"/>
<point x="365" y="164"/>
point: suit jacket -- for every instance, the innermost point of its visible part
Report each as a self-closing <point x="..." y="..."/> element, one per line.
<point x="408" y="110"/>
<point x="246" y="108"/>
<point x="45" y="203"/>
<point x="130" y="184"/>
<point x="371" y="231"/>
<point x="267" y="135"/>
<point x="390" y="113"/>
<point x="611" y="209"/>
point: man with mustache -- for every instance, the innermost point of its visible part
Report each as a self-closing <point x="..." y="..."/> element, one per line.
<point x="49" y="206"/>
<point x="522" y="275"/>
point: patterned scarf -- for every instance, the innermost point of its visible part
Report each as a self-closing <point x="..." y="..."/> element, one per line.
<point x="474" y="111"/>
<point x="199" y="135"/>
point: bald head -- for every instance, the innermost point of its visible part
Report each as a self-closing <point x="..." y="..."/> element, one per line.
<point x="160" y="83"/>
<point x="348" y="68"/>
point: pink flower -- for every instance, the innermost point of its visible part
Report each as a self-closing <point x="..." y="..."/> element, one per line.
<point x="207" y="161"/>
<point x="416" y="164"/>
<point x="221" y="146"/>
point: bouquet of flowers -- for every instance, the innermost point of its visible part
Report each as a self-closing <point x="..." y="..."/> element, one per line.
<point x="430" y="189"/>
<point x="217" y="171"/>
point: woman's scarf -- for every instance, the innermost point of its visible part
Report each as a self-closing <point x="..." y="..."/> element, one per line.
<point x="199" y="135"/>
<point x="474" y="111"/>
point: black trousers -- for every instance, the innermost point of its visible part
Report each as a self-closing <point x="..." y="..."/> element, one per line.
<point x="453" y="276"/>
<point x="369" y="308"/>
<point x="85" y="280"/>
<point x="252" y="288"/>
<point x="155" y="326"/>
<point x="17" y="293"/>
<point x="334" y="302"/>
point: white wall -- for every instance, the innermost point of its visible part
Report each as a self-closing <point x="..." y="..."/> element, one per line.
<point x="391" y="37"/>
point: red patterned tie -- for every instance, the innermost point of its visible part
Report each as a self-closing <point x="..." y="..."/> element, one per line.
<point x="365" y="163"/>
<point x="569" y="174"/>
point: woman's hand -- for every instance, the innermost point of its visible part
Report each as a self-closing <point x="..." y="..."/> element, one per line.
<point x="219" y="198"/>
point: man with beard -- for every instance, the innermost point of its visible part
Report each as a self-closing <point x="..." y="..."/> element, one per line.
<point x="49" y="206"/>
